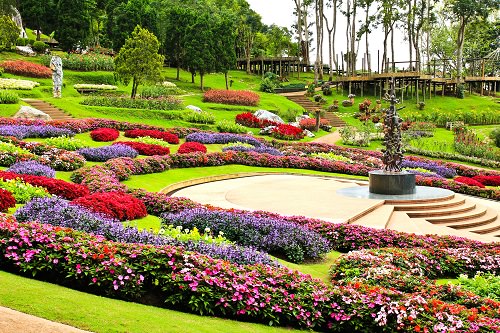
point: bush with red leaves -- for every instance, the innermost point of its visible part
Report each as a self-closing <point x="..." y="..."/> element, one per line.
<point x="249" y="120"/>
<point x="57" y="187"/>
<point x="287" y="132"/>
<point x="191" y="147"/>
<point x="26" y="68"/>
<point x="145" y="148"/>
<point x="104" y="134"/>
<point x="233" y="97"/>
<point x="165" y="136"/>
<point x="468" y="181"/>
<point x="119" y="205"/>
<point x="6" y="200"/>
<point x="488" y="180"/>
<point x="310" y="123"/>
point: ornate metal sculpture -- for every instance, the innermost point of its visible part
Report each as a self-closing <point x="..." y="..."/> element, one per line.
<point x="393" y="153"/>
<point x="57" y="75"/>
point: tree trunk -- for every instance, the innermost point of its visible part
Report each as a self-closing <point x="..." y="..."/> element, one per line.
<point x="134" y="88"/>
<point x="201" y="80"/>
<point x="225" y="77"/>
<point x="330" y="49"/>
<point x="348" y="43"/>
<point x="192" y="76"/>
<point x="334" y="27"/>
<point x="368" y="62"/>
<point x="384" y="57"/>
<point x="410" y="24"/>
<point x="298" y="8"/>
<point x="460" y="47"/>
<point x="306" y="34"/>
<point x="392" y="49"/>
<point x="178" y="72"/>
<point x="353" y="38"/>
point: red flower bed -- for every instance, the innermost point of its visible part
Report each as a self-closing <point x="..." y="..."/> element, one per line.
<point x="310" y="123"/>
<point x="119" y="205"/>
<point x="145" y="148"/>
<point x="468" y="181"/>
<point x="488" y="180"/>
<point x="26" y="68"/>
<point x="191" y="147"/>
<point x="105" y="134"/>
<point x="249" y="120"/>
<point x="165" y="136"/>
<point x="287" y="132"/>
<point x="57" y="187"/>
<point x="233" y="97"/>
<point x="6" y="200"/>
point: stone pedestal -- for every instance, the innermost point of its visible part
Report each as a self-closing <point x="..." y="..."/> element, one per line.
<point x="393" y="183"/>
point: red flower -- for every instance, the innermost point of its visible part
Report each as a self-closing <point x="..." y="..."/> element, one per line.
<point x="145" y="148"/>
<point x="7" y="200"/>
<point x="118" y="205"/>
<point x="191" y="147"/>
<point x="26" y="68"/>
<point x="234" y="97"/>
<point x="165" y="136"/>
<point x="104" y="134"/>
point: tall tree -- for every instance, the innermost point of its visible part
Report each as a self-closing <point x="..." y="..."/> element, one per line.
<point x="138" y="60"/>
<point x="466" y="12"/>
<point x="39" y="15"/>
<point x="318" y="64"/>
<point x="73" y="22"/>
<point x="9" y="32"/>
<point x="7" y="7"/>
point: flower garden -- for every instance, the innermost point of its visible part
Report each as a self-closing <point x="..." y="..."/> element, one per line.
<point x="229" y="263"/>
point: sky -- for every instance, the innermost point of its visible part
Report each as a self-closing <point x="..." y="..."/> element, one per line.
<point x="280" y="12"/>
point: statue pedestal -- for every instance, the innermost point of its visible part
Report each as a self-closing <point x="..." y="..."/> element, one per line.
<point x="393" y="183"/>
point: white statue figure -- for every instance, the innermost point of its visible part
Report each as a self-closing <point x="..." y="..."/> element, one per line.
<point x="57" y="75"/>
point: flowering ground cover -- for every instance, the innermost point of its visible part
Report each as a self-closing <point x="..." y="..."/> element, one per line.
<point x="26" y="68"/>
<point x="102" y="154"/>
<point x="233" y="97"/>
<point x="104" y="134"/>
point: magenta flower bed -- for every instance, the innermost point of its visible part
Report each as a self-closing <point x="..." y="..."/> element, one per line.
<point x="104" y="134"/>
<point x="191" y="147"/>
<point x="145" y="148"/>
<point x="165" y="136"/>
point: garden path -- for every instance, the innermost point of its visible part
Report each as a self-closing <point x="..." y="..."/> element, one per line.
<point x="54" y="112"/>
<point x="331" y="138"/>
<point x="17" y="322"/>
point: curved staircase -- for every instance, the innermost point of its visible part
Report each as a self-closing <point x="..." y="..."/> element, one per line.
<point x="456" y="215"/>
<point x="311" y="106"/>
<point x="54" y="112"/>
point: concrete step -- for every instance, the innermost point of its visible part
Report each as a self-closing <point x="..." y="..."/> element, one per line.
<point x="457" y="200"/>
<point x="471" y="224"/>
<point x="397" y="202"/>
<point x="444" y="211"/>
<point x="469" y="215"/>
<point x="378" y="219"/>
<point x="54" y="112"/>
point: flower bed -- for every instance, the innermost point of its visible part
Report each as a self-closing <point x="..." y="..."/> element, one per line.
<point x="32" y="168"/>
<point x="54" y="186"/>
<point x="163" y="103"/>
<point x="26" y="68"/>
<point x="114" y="204"/>
<point x="488" y="180"/>
<point x="94" y="87"/>
<point x="17" y="84"/>
<point x="249" y="120"/>
<point x="287" y="132"/>
<point x="61" y="213"/>
<point x="10" y="154"/>
<point x="223" y="138"/>
<point x="34" y="131"/>
<point x="270" y="235"/>
<point x="233" y="97"/>
<point x="310" y="124"/>
<point x="22" y="191"/>
<point x="191" y="147"/>
<point x="104" y="134"/>
<point x="102" y="154"/>
<point x="260" y="149"/>
<point x="84" y="62"/>
<point x="7" y="200"/>
<point x="66" y="143"/>
<point x="145" y="149"/>
<point x="194" y="282"/>
<point x="431" y="166"/>
<point x="165" y="136"/>
<point x="468" y="181"/>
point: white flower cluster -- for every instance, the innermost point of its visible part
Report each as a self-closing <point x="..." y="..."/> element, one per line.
<point x="94" y="86"/>
<point x="17" y="84"/>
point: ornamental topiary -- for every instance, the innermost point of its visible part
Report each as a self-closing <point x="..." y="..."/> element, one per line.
<point x="7" y="200"/>
<point x="104" y="134"/>
<point x="117" y="205"/>
<point x="191" y="147"/>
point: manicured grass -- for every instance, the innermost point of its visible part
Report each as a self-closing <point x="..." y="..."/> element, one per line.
<point x="318" y="270"/>
<point x="157" y="181"/>
<point x="99" y="314"/>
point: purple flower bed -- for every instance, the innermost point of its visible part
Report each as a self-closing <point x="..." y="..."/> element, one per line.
<point x="32" y="168"/>
<point x="274" y="236"/>
<point x="222" y="138"/>
<point x="423" y="174"/>
<point x="431" y="166"/>
<point x="34" y="131"/>
<point x="59" y="212"/>
<point x="102" y="154"/>
<point x="259" y="149"/>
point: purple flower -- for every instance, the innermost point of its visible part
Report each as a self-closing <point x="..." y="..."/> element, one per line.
<point x="431" y="166"/>
<point x="34" y="131"/>
<point x="60" y="212"/>
<point x="32" y="168"/>
<point x="105" y="153"/>
<point x="259" y="149"/>
<point x="272" y="235"/>
<point x="211" y="138"/>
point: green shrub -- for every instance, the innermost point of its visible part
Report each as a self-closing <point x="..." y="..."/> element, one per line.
<point x="168" y="103"/>
<point x="289" y="115"/>
<point x="225" y="126"/>
<point x="193" y="235"/>
<point x="483" y="284"/>
<point x="270" y="81"/>
<point x="311" y="89"/>
<point x="92" y="77"/>
<point x="461" y="91"/>
<point x="8" y="97"/>
<point x="64" y="142"/>
<point x="1" y="71"/>
<point x="22" y="191"/>
<point x="159" y="91"/>
<point x="39" y="46"/>
<point x="199" y="118"/>
<point x="31" y="41"/>
<point x="327" y="90"/>
<point x="150" y="141"/>
<point x="495" y="136"/>
<point x="21" y="41"/>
